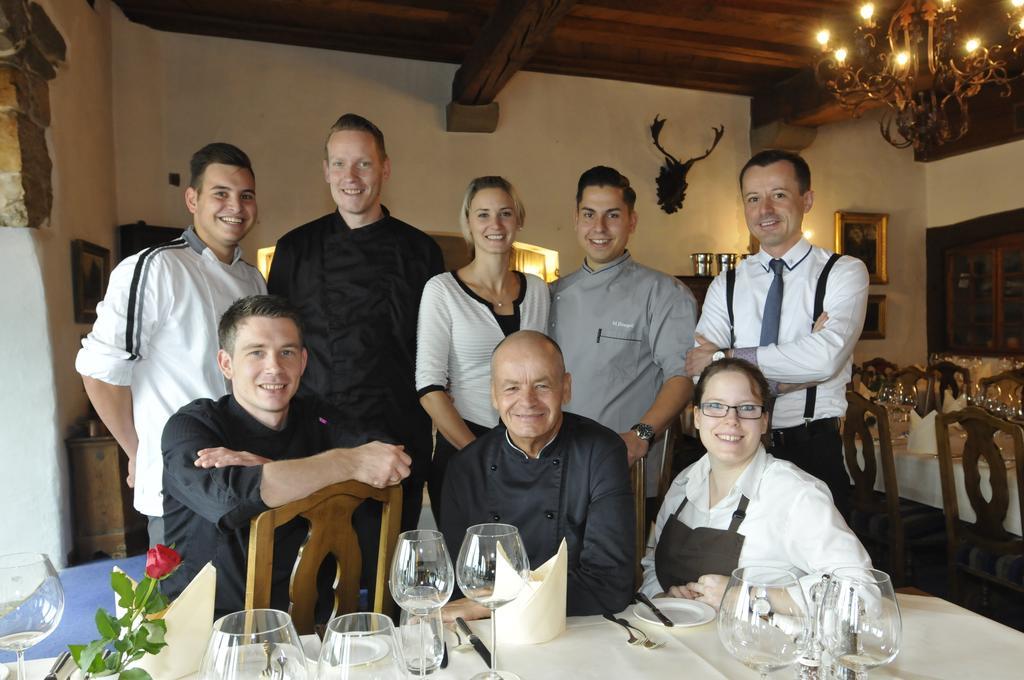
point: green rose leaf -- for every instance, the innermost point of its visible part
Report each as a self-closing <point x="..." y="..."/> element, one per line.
<point x="91" y="657"/>
<point x="76" y="652"/>
<point x="107" y="625"/>
<point x="122" y="585"/>
<point x="136" y="674"/>
<point x="143" y="641"/>
<point x="156" y="630"/>
<point x="157" y="603"/>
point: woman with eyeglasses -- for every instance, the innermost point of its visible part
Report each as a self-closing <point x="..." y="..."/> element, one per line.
<point x="738" y="505"/>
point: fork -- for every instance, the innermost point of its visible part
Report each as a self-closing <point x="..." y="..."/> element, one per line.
<point x="640" y="638"/>
<point x="633" y="640"/>
<point x="268" y="672"/>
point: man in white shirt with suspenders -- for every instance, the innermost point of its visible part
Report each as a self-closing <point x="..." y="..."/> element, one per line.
<point x="766" y="312"/>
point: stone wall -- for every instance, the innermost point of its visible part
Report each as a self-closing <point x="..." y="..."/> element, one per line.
<point x="31" y="47"/>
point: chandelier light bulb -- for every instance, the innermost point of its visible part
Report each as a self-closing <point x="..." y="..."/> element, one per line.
<point x="1017" y="3"/>
<point x="867" y="11"/>
<point x="823" y="35"/>
<point x="902" y="58"/>
<point x="841" y="55"/>
<point x="972" y="45"/>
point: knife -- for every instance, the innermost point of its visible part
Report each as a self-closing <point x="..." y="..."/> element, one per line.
<point x="474" y="640"/>
<point x="444" y="655"/>
<point x="57" y="665"/>
<point x="657" y="612"/>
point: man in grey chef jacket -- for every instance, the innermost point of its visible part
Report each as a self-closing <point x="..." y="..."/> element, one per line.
<point x="624" y="328"/>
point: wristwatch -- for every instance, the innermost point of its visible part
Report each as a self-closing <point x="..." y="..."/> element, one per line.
<point x="644" y="432"/>
<point x="718" y="356"/>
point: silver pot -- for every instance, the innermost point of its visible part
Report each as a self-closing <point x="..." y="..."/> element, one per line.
<point x="726" y="261"/>
<point x="703" y="264"/>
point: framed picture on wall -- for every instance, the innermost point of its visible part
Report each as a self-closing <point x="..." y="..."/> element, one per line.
<point x="864" y="236"/>
<point x="874" y="319"/>
<point x="90" y="270"/>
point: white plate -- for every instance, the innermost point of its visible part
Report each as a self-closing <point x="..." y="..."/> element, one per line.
<point x="683" y="613"/>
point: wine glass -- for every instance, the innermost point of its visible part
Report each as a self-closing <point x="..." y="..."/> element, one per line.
<point x="860" y="619"/>
<point x="492" y="568"/>
<point x="361" y="646"/>
<point x="31" y="602"/>
<point x="251" y="644"/>
<point x="763" y="621"/>
<point x="422" y="580"/>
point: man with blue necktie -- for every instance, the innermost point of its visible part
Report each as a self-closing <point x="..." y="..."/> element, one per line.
<point x="795" y="311"/>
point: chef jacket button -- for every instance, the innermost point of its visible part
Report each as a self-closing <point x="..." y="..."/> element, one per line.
<point x="558" y="297"/>
<point x="555" y="462"/>
<point x="549" y="515"/>
<point x="495" y="517"/>
<point x="494" y="468"/>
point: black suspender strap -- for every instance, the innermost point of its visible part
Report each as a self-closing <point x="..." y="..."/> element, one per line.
<point x="730" y="288"/>
<point x="819" y="307"/>
<point x="739" y="514"/>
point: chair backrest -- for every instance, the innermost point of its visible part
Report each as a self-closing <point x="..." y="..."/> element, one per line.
<point x="329" y="513"/>
<point x="638" y="478"/>
<point x="944" y="374"/>
<point x="987" y="532"/>
<point x="668" y="443"/>
<point x="1006" y="387"/>
<point x="858" y="412"/>
<point x="880" y="367"/>
<point x="914" y="378"/>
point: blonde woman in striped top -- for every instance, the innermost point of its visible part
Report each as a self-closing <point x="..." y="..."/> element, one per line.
<point x="465" y="313"/>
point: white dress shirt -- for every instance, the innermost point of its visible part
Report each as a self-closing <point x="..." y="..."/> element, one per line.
<point x="800" y="356"/>
<point x="791" y="521"/>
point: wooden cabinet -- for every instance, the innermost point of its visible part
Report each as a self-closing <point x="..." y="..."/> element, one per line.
<point x="985" y="296"/>
<point x="104" y="520"/>
<point x="698" y="285"/>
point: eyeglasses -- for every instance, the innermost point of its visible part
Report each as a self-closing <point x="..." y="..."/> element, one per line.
<point x="713" y="409"/>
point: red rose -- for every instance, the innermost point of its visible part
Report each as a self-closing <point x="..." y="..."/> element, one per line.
<point x="161" y="561"/>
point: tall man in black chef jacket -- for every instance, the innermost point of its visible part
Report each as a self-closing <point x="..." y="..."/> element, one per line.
<point x="553" y="475"/>
<point x="356" y="275"/>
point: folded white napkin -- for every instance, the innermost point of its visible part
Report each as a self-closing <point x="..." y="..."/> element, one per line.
<point x="538" y="614"/>
<point x="922" y="434"/>
<point x="949" y="404"/>
<point x="189" y="625"/>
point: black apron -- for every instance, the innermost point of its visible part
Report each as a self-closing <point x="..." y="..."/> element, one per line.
<point x="683" y="554"/>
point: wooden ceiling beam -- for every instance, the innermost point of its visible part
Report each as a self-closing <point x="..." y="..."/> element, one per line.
<point x="508" y="40"/>
<point x="717" y="46"/>
<point x="799" y="100"/>
<point x="326" y="37"/>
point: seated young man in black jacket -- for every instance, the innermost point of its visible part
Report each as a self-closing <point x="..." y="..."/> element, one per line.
<point x="260" y="447"/>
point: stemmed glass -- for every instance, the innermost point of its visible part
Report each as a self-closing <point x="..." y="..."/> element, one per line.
<point x="361" y="646"/>
<point x="492" y="568"/>
<point x="763" y="621"/>
<point x="251" y="644"/>
<point x="860" y="619"/>
<point x="31" y="602"/>
<point x="422" y="580"/>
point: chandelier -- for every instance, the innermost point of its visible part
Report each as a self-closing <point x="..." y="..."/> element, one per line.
<point x="924" y="68"/>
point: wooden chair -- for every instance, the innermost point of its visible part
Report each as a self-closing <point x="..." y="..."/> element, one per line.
<point x="878" y="366"/>
<point x="982" y="549"/>
<point x="1006" y="387"/>
<point x="913" y="378"/>
<point x="882" y="519"/>
<point x="665" y="475"/>
<point x="329" y="513"/>
<point x="943" y="376"/>
<point x="638" y="478"/>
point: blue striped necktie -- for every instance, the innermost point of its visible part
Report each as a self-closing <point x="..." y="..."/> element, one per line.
<point x="772" y="306"/>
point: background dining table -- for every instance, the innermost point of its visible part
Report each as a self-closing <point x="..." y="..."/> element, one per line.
<point x="940" y="640"/>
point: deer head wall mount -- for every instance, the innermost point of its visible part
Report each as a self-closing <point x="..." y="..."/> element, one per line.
<point x="672" y="178"/>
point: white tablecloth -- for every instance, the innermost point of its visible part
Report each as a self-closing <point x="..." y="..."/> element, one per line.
<point x="940" y="640"/>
